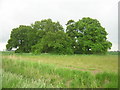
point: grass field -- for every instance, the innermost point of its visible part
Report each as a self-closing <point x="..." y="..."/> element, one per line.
<point x="59" y="71"/>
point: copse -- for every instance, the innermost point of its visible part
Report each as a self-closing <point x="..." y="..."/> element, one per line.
<point x="24" y="37"/>
<point x="85" y="36"/>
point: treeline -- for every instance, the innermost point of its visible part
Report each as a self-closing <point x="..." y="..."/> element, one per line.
<point x="85" y="36"/>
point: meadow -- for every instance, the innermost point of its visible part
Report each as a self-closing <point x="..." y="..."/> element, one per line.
<point x="59" y="71"/>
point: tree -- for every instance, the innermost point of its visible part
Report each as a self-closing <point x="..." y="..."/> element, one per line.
<point x="44" y="26"/>
<point x="88" y="36"/>
<point x="21" y="38"/>
<point x="57" y="42"/>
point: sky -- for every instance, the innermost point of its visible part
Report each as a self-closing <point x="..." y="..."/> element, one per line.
<point x="25" y="12"/>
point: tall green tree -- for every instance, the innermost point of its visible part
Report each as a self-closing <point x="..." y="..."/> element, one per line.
<point x="44" y="26"/>
<point x="21" y="38"/>
<point x="88" y="36"/>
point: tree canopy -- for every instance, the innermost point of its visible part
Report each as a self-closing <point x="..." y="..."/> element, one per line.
<point x="85" y="36"/>
<point x="57" y="42"/>
<point x="21" y="38"/>
<point x="88" y="36"/>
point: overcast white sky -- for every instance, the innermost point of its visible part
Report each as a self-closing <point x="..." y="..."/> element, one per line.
<point x="24" y="12"/>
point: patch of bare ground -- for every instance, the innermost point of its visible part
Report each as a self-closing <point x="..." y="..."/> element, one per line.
<point x="92" y="71"/>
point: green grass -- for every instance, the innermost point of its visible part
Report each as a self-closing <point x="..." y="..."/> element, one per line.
<point x="94" y="63"/>
<point x="59" y="71"/>
<point x="110" y="80"/>
<point x="11" y="80"/>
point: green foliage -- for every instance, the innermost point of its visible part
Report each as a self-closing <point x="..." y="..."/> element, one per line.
<point x="47" y="25"/>
<point x="21" y="38"/>
<point x="85" y="36"/>
<point x="113" y="53"/>
<point x="88" y="36"/>
<point x="57" y="42"/>
<point x="25" y="37"/>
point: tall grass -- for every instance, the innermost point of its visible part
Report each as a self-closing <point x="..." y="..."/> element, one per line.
<point x="11" y="80"/>
<point x="24" y="73"/>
